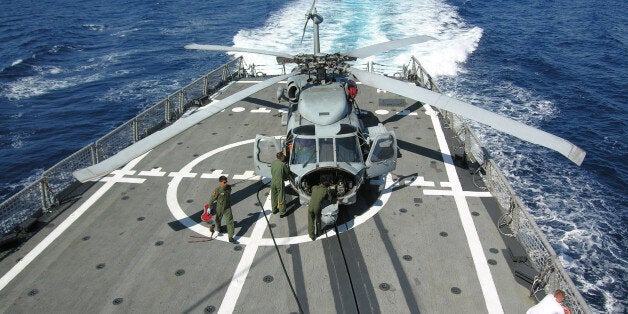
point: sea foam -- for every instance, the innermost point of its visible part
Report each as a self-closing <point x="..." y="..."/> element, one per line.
<point x="345" y="29"/>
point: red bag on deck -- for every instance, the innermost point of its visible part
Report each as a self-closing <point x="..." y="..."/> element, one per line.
<point x="206" y="215"/>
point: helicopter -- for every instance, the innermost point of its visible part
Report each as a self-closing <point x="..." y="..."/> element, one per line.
<point x="326" y="139"/>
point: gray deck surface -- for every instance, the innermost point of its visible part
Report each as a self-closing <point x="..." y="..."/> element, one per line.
<point x="129" y="253"/>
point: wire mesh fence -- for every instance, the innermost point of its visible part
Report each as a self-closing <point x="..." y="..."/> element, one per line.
<point x="516" y="218"/>
<point x="49" y="190"/>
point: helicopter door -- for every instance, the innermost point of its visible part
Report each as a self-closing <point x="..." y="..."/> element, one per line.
<point x="265" y="151"/>
<point x="382" y="158"/>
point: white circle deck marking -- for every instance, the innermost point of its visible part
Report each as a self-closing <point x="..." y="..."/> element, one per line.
<point x="189" y="223"/>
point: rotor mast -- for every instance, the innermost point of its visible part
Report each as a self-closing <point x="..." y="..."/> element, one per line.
<point x="316" y="19"/>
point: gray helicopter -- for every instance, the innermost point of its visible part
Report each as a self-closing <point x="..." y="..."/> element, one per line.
<point x="326" y="138"/>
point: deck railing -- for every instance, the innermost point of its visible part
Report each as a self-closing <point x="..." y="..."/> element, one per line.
<point x="50" y="189"/>
<point x="516" y="220"/>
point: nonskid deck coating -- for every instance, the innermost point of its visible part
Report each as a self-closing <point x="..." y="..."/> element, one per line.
<point x="129" y="252"/>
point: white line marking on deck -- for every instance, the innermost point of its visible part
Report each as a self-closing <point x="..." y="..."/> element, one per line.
<point x="156" y="172"/>
<point x="261" y="110"/>
<point x="407" y="113"/>
<point x="123" y="172"/>
<point x="491" y="298"/>
<point x="242" y="270"/>
<point x="450" y="192"/>
<point x="420" y="181"/>
<point x="120" y="179"/>
<point x="247" y="175"/>
<point x="182" y="174"/>
<point x="39" y="248"/>
<point x="214" y="175"/>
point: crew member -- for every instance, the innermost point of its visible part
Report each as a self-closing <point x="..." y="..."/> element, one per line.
<point x="319" y="193"/>
<point x="279" y="172"/>
<point x="222" y="196"/>
<point x="551" y="304"/>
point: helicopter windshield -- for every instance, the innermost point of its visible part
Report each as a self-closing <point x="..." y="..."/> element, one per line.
<point x="348" y="149"/>
<point x="326" y="146"/>
<point x="383" y="149"/>
<point x="304" y="150"/>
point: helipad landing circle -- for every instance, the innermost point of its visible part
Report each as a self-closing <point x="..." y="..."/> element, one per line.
<point x="185" y="220"/>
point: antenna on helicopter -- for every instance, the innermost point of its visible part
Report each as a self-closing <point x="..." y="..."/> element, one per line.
<point x="316" y="19"/>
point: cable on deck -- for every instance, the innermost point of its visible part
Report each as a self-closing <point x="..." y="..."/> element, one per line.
<point x="277" y="249"/>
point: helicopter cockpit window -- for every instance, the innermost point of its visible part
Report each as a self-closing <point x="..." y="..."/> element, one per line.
<point x="304" y="151"/>
<point x="348" y="149"/>
<point x="266" y="150"/>
<point x="326" y="146"/>
<point x="383" y="149"/>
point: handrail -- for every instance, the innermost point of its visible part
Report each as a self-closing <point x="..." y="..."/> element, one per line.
<point x="48" y="191"/>
<point x="540" y="253"/>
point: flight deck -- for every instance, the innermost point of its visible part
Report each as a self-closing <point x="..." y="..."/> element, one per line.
<point x="422" y="238"/>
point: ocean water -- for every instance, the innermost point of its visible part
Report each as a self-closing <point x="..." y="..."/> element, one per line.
<point x="70" y="71"/>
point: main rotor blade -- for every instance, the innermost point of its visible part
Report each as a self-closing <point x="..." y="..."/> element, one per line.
<point x="498" y="122"/>
<point x="304" y="27"/>
<point x="389" y="45"/>
<point x="312" y="7"/>
<point x="307" y="19"/>
<point x="126" y="155"/>
<point x="238" y="49"/>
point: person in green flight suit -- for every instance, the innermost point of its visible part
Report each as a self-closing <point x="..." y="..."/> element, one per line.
<point x="319" y="193"/>
<point x="279" y="172"/>
<point x="222" y="196"/>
